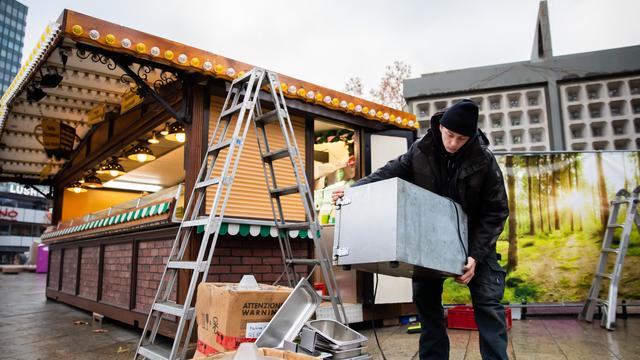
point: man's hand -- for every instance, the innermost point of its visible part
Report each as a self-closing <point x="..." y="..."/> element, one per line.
<point x="336" y="195"/>
<point x="469" y="270"/>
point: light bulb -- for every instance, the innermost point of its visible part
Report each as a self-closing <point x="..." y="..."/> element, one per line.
<point x="141" y="157"/>
<point x="77" y="190"/>
<point x="181" y="137"/>
<point x="114" y="173"/>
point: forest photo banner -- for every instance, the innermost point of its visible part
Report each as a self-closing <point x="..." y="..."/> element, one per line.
<point x="559" y="205"/>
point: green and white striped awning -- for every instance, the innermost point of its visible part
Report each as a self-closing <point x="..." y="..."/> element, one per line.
<point x="230" y="228"/>
<point x="132" y="215"/>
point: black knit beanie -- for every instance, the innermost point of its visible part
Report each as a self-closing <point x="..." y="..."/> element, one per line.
<point x="461" y="118"/>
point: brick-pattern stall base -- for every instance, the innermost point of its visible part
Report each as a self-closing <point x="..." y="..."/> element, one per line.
<point x="260" y="257"/>
<point x="152" y="258"/>
<point x="89" y="272"/>
<point x="116" y="283"/>
<point x="69" y="271"/>
<point x="54" y="269"/>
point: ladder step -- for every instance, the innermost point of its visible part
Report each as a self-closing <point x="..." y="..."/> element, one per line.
<point x="603" y="275"/>
<point x="609" y="250"/>
<point x="206" y="183"/>
<point x="219" y="146"/>
<point x="197" y="222"/>
<point x="155" y="351"/>
<point x="172" y="308"/>
<point x="269" y="117"/>
<point x="303" y="261"/>
<point x="275" y="155"/>
<point x="188" y="265"/>
<point x="287" y="190"/>
<point x="614" y="226"/>
<point x="294" y="226"/>
<point x="599" y="301"/>
<point x="231" y="111"/>
<point x="618" y="202"/>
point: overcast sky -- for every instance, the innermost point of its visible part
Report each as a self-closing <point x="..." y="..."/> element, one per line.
<point x="328" y="41"/>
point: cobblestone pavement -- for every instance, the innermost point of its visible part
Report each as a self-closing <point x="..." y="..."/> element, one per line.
<point x="32" y="327"/>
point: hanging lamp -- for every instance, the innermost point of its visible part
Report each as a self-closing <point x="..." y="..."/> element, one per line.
<point x="112" y="168"/>
<point x="92" y="181"/>
<point x="176" y="133"/>
<point x="141" y="153"/>
<point x="154" y="139"/>
<point x="76" y="187"/>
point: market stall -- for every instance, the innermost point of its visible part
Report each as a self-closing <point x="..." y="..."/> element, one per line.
<point x="116" y="122"/>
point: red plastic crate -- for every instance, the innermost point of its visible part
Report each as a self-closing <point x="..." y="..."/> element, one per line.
<point x="461" y="317"/>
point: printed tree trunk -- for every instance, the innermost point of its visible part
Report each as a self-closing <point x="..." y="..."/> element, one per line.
<point x="554" y="190"/>
<point x="532" y="225"/>
<point x="546" y="192"/>
<point x="568" y="171"/>
<point x="602" y="192"/>
<point x="577" y="186"/>
<point x="638" y="168"/>
<point x="539" y="172"/>
<point x="512" y="256"/>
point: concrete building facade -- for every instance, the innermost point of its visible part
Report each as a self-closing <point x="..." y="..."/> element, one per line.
<point x="13" y="17"/>
<point x="586" y="101"/>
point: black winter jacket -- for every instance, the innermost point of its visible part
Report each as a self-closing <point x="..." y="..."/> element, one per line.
<point x="476" y="183"/>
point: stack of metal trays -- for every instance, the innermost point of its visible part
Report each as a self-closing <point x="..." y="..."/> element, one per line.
<point x="339" y="340"/>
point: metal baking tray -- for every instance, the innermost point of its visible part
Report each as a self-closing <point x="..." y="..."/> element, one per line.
<point x="336" y="335"/>
<point x="290" y="318"/>
<point x="343" y="354"/>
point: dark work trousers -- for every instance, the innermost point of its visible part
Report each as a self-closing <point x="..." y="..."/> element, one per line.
<point x="487" y="289"/>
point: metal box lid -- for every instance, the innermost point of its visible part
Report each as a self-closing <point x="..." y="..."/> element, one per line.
<point x="394" y="227"/>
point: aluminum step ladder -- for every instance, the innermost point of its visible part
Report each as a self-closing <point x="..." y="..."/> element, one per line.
<point x="240" y="109"/>
<point x="607" y="271"/>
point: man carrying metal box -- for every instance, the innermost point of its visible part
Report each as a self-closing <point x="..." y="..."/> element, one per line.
<point x="452" y="160"/>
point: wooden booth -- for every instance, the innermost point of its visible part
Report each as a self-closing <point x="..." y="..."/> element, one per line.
<point x="116" y="122"/>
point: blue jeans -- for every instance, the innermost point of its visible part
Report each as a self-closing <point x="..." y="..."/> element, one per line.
<point x="487" y="289"/>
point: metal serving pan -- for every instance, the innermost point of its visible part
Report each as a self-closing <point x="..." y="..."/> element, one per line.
<point x="290" y="318"/>
<point x="336" y="335"/>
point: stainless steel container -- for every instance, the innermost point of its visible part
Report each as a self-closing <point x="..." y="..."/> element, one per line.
<point x="333" y="335"/>
<point x="290" y="318"/>
<point x="397" y="228"/>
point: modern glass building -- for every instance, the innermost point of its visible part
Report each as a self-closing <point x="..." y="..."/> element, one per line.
<point x="13" y="20"/>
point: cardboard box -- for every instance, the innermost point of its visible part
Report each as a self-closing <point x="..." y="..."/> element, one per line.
<point x="280" y="354"/>
<point x="227" y="316"/>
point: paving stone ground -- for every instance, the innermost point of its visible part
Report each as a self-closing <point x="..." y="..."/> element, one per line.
<point x="32" y="327"/>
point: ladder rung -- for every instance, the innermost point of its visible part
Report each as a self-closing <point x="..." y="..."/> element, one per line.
<point x="231" y="111"/>
<point x="613" y="226"/>
<point x="294" y="226"/>
<point x="269" y="117"/>
<point x="172" y="308"/>
<point x="275" y="155"/>
<point x="219" y="146"/>
<point x="618" y="202"/>
<point x="609" y="250"/>
<point x="197" y="222"/>
<point x="155" y="351"/>
<point x="287" y="190"/>
<point x="209" y="182"/>
<point x="603" y="275"/>
<point x="303" y="261"/>
<point x="188" y="265"/>
<point x="600" y="301"/>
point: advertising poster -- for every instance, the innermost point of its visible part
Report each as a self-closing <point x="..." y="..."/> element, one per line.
<point x="559" y="205"/>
